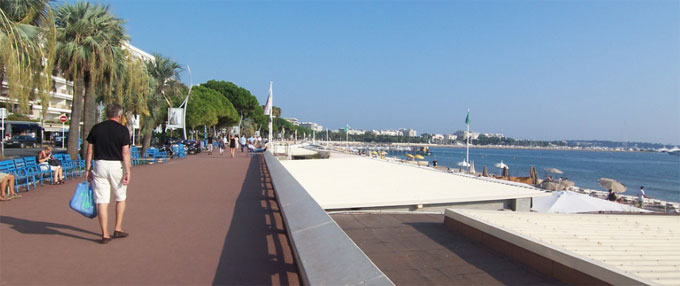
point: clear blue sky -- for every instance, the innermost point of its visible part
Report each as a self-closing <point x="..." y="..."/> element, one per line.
<point x="529" y="69"/>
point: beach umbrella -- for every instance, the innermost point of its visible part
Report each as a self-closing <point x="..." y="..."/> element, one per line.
<point x="501" y="165"/>
<point x="463" y="164"/>
<point x="472" y="167"/>
<point x="506" y="173"/>
<point x="554" y="171"/>
<point x="485" y="172"/>
<point x="611" y="184"/>
<point x="419" y="157"/>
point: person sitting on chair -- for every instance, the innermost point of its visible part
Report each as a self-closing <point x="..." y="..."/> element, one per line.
<point x="43" y="162"/>
<point x="6" y="179"/>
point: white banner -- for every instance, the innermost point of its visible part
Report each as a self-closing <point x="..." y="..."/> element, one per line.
<point x="135" y="122"/>
<point x="270" y="102"/>
<point x="175" y="118"/>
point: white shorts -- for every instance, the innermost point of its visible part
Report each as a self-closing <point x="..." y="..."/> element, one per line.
<point x="45" y="167"/>
<point x="108" y="176"/>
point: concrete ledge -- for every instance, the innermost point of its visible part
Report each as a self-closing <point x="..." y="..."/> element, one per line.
<point x="324" y="253"/>
<point x="561" y="264"/>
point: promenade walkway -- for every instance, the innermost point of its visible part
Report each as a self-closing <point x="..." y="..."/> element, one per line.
<point x="200" y="220"/>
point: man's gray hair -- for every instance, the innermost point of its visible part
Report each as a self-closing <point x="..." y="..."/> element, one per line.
<point x="113" y="110"/>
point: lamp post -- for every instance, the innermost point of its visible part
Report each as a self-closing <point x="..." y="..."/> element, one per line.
<point x="3" y="114"/>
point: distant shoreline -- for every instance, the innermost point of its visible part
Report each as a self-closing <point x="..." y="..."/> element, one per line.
<point x="555" y="148"/>
<point x="536" y="148"/>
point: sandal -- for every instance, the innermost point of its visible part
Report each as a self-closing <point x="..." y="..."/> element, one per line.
<point x="119" y="234"/>
<point x="15" y="196"/>
<point x="5" y="199"/>
<point x="104" y="240"/>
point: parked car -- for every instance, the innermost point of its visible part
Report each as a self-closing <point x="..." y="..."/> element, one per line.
<point x="21" y="141"/>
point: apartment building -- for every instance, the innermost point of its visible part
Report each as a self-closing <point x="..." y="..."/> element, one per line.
<point x="61" y="98"/>
<point x="312" y="125"/>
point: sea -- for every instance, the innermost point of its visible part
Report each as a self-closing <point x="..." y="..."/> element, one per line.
<point x="658" y="172"/>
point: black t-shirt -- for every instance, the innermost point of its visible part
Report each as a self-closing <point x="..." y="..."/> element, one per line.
<point x="108" y="139"/>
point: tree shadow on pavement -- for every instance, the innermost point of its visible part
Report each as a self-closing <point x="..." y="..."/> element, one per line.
<point x="40" y="227"/>
<point x="256" y="250"/>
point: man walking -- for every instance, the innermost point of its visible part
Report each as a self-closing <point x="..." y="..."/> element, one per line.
<point x="242" y="141"/>
<point x="210" y="145"/>
<point x="641" y="196"/>
<point x="109" y="143"/>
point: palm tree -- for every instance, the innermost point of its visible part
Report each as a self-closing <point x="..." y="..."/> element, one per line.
<point x="165" y="86"/>
<point x="87" y="38"/>
<point x="27" y="41"/>
<point x="131" y="85"/>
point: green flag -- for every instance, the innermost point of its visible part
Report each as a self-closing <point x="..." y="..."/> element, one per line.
<point x="346" y="128"/>
<point x="467" y="119"/>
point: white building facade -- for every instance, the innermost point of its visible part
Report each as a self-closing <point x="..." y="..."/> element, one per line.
<point x="61" y="97"/>
<point x="312" y="125"/>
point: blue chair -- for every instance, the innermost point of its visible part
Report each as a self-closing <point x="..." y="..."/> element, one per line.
<point x="32" y="162"/>
<point x="155" y="155"/>
<point x="81" y="164"/>
<point x="31" y="173"/>
<point x="134" y="156"/>
<point x="66" y="166"/>
<point x="21" y="178"/>
<point x="74" y="165"/>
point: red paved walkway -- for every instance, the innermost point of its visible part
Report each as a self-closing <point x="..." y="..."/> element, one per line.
<point x="200" y="220"/>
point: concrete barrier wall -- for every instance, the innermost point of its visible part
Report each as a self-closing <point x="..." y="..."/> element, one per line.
<point x="325" y="255"/>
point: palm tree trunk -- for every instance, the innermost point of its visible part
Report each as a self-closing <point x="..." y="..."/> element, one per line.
<point x="89" y="112"/>
<point x="146" y="141"/>
<point x="76" y="112"/>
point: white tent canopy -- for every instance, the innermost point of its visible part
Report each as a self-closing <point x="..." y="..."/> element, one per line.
<point x="570" y="202"/>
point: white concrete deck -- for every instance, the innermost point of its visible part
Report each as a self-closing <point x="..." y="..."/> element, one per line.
<point x="294" y="150"/>
<point x="356" y="182"/>
<point x="617" y="249"/>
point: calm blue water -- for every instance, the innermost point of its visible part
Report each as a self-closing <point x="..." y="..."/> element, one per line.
<point x="658" y="172"/>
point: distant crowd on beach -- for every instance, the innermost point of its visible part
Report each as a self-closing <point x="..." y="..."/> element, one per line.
<point x="641" y="195"/>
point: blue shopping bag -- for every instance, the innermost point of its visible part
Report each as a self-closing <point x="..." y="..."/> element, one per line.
<point x="83" y="200"/>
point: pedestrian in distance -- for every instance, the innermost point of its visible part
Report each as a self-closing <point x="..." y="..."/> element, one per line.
<point x="220" y="144"/>
<point x="242" y="141"/>
<point x="109" y="145"/>
<point x="232" y="145"/>
<point x="210" y="145"/>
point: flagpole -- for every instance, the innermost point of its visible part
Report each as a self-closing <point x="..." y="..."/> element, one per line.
<point x="271" y="112"/>
<point x="467" y="151"/>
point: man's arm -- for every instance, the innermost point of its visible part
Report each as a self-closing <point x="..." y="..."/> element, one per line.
<point x="126" y="164"/>
<point x="88" y="162"/>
